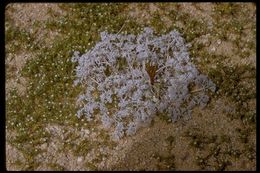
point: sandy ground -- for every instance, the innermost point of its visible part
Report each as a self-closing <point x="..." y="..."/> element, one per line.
<point x="141" y="151"/>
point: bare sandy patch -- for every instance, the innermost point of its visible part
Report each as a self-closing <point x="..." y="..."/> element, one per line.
<point x="56" y="153"/>
<point x="198" y="11"/>
<point x="25" y="15"/>
<point x="144" y="13"/>
<point x="13" y="155"/>
<point x="140" y="151"/>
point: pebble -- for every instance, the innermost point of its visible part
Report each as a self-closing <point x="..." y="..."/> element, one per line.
<point x="44" y="146"/>
<point x="165" y="144"/>
<point x="80" y="159"/>
<point x="87" y="132"/>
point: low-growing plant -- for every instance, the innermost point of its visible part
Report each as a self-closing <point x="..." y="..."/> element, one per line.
<point x="130" y="78"/>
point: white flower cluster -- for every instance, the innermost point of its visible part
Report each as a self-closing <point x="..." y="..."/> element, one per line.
<point x="130" y="78"/>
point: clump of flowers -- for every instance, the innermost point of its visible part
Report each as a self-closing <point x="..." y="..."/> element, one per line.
<point x="128" y="79"/>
